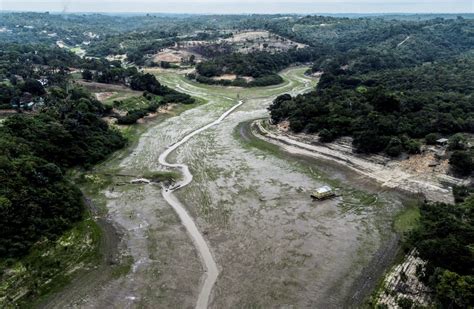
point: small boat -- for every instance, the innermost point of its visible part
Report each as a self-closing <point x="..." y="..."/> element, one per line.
<point x="323" y="193"/>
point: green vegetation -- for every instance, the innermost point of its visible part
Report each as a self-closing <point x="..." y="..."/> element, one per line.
<point x="444" y="238"/>
<point x="462" y="162"/>
<point x="134" y="102"/>
<point x="460" y="193"/>
<point x="385" y="114"/>
<point x="154" y="94"/>
<point x="388" y="96"/>
<point x="37" y="200"/>
<point x="407" y="219"/>
<point x="147" y="82"/>
<point x="162" y="176"/>
<point x="49" y="265"/>
<point x="262" y="66"/>
<point x="47" y="235"/>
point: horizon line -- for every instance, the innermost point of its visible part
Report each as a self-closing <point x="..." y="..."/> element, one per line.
<point x="241" y="13"/>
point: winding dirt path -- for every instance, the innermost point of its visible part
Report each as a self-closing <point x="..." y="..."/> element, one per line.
<point x="212" y="270"/>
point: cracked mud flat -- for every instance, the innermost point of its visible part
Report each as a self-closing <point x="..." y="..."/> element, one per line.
<point x="274" y="246"/>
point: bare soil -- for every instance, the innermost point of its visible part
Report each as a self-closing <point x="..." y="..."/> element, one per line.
<point x="174" y="55"/>
<point x="225" y="77"/>
<point x="103" y="96"/>
<point x="101" y="87"/>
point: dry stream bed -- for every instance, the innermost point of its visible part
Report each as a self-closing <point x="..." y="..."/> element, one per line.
<point x="273" y="245"/>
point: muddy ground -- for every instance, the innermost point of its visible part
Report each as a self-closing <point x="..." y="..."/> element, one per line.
<point x="274" y="245"/>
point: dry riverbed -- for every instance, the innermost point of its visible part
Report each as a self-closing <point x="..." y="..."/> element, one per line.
<point x="273" y="245"/>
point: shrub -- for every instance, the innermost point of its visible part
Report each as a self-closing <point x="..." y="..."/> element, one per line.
<point x="431" y="138"/>
<point x="405" y="303"/>
<point x="326" y="136"/>
<point x="460" y="193"/>
<point x="87" y="75"/>
<point x="178" y="98"/>
<point x="394" y="148"/>
<point x="132" y="116"/>
<point x="33" y="86"/>
<point x="457" y="142"/>
<point x="412" y="146"/>
<point x="461" y="163"/>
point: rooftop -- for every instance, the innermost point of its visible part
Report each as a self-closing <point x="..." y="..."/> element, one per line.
<point x="324" y="189"/>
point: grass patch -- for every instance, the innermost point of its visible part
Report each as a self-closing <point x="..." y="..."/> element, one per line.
<point x="407" y="219"/>
<point x="124" y="268"/>
<point x="119" y="96"/>
<point x="162" y="176"/>
<point x="6" y="82"/>
<point x="50" y="265"/>
<point x="250" y="141"/>
<point x="76" y="76"/>
<point x="133" y="103"/>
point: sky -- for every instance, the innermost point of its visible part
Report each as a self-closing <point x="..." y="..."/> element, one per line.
<point x="242" y="6"/>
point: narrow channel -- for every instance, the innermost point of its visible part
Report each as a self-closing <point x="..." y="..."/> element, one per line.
<point x="200" y="243"/>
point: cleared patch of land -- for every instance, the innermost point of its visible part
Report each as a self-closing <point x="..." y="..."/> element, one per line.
<point x="175" y="55"/>
<point x="120" y="97"/>
<point x="241" y="42"/>
<point x="101" y="87"/>
<point x="225" y="77"/>
<point x="251" y="41"/>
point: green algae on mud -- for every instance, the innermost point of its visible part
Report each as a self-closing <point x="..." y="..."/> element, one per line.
<point x="50" y="266"/>
<point x="53" y="265"/>
<point x="356" y="199"/>
<point x="275" y="245"/>
<point x="351" y="197"/>
<point x="407" y="219"/>
<point x="163" y="255"/>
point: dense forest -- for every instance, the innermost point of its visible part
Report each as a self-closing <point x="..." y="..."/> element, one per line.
<point x="57" y="126"/>
<point x="37" y="200"/>
<point x="98" y="35"/>
<point x="388" y="96"/>
<point x="444" y="239"/>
